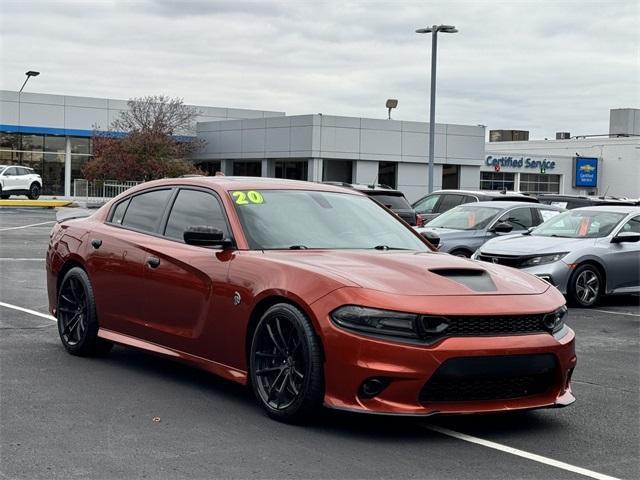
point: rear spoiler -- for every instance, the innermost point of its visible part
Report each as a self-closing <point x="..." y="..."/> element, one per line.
<point x="64" y="214"/>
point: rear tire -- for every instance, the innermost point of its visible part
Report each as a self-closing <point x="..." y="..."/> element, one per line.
<point x="77" y="318"/>
<point x="34" y="191"/>
<point x="585" y="286"/>
<point x="461" y="253"/>
<point x="286" y="368"/>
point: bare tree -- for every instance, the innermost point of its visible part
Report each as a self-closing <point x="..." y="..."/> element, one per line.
<point x="156" y="114"/>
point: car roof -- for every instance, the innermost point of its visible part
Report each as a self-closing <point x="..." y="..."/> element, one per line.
<point x="485" y="193"/>
<point x="610" y="208"/>
<point x="372" y="188"/>
<point x="508" y="204"/>
<point x="247" y="183"/>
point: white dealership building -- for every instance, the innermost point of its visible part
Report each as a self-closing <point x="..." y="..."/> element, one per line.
<point x="52" y="134"/>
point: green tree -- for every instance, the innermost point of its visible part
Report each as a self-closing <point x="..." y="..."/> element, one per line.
<point x="148" y="141"/>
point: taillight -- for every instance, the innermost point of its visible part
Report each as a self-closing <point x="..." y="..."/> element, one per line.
<point x="419" y="220"/>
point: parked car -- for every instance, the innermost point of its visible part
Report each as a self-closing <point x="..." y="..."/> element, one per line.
<point x="462" y="230"/>
<point x="576" y="201"/>
<point x="312" y="295"/>
<point x="393" y="199"/>
<point x="585" y="253"/>
<point x="440" y="201"/>
<point x="17" y="180"/>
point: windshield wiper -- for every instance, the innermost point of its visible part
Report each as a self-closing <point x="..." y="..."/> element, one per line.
<point x="298" y="247"/>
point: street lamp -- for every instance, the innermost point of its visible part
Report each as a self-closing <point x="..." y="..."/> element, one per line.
<point x="432" y="110"/>
<point x="391" y="104"/>
<point x="29" y="74"/>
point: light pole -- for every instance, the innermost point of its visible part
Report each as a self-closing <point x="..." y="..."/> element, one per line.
<point x="433" y="30"/>
<point x="29" y="74"/>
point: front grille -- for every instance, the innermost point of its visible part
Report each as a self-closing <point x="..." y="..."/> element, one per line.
<point x="465" y="326"/>
<point x="491" y="378"/>
<point x="509" y="261"/>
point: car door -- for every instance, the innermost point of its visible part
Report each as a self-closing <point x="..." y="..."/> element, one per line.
<point x="184" y="283"/>
<point x="11" y="180"/>
<point x="116" y="259"/>
<point x="622" y="260"/>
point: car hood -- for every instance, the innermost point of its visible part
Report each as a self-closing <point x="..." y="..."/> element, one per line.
<point x="413" y="273"/>
<point x="532" y="244"/>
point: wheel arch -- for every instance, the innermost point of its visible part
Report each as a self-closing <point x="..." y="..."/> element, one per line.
<point x="66" y="266"/>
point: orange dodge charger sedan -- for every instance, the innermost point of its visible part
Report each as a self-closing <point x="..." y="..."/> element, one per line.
<point x="312" y="294"/>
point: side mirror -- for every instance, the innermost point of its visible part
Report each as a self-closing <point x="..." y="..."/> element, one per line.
<point x="502" y="227"/>
<point x="626" y="237"/>
<point x="431" y="237"/>
<point x="205" y="236"/>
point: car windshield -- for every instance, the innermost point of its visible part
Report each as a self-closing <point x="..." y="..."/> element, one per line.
<point x="466" y="217"/>
<point x="580" y="224"/>
<point x="300" y="219"/>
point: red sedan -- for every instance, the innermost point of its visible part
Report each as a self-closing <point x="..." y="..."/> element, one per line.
<point x="310" y="293"/>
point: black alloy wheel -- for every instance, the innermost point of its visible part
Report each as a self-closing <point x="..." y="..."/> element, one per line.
<point x="286" y="364"/>
<point x="77" y="319"/>
<point x="34" y="191"/>
<point x="585" y="286"/>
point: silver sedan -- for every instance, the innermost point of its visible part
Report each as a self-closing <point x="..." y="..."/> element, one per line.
<point x="585" y="253"/>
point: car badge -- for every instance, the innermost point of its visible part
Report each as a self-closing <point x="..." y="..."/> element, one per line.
<point x="494" y="260"/>
<point x="237" y="298"/>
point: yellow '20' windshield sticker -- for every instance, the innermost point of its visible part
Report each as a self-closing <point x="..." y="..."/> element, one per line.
<point x="247" y="198"/>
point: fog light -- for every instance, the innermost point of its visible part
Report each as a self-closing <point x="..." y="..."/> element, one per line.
<point x="373" y="387"/>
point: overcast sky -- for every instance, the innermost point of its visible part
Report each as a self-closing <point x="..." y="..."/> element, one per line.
<point x="542" y="66"/>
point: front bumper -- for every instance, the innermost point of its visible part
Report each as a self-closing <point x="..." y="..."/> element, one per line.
<point x="351" y="359"/>
<point x="556" y="273"/>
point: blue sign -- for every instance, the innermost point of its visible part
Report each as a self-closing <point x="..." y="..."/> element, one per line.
<point x="585" y="172"/>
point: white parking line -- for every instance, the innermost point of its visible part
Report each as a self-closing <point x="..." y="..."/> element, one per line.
<point x="9" y="259"/>
<point x="27" y="310"/>
<point x="616" y="313"/>
<point x="27" y="226"/>
<point x="520" y="453"/>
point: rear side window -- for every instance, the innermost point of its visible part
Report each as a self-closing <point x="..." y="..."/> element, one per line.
<point x="118" y="212"/>
<point x="520" y="218"/>
<point x="145" y="210"/>
<point x="449" y="201"/>
<point x="195" y="208"/>
<point x="427" y="204"/>
<point x="547" y="214"/>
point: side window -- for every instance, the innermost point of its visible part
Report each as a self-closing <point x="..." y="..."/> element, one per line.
<point x="520" y="218"/>
<point x="448" y="202"/>
<point x="118" y="212"/>
<point x="427" y="204"/>
<point x="145" y="210"/>
<point x="11" y="171"/>
<point x="547" y="214"/>
<point x="468" y="199"/>
<point x="632" y="225"/>
<point x="195" y="208"/>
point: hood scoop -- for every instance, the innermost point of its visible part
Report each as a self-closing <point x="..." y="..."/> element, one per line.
<point x="473" y="279"/>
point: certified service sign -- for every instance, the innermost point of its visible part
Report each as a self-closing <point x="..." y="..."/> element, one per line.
<point x="585" y="172"/>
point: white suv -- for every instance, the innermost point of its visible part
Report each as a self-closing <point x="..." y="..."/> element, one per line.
<point x="16" y="180"/>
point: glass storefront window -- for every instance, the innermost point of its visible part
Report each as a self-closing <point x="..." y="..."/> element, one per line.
<point x="53" y="174"/>
<point x="539" y="183"/>
<point x="387" y="174"/>
<point x="247" y="169"/>
<point x="79" y="145"/>
<point x="54" y="144"/>
<point x="77" y="162"/>
<point x="291" y="170"/>
<point x="337" y="170"/>
<point x="9" y="141"/>
<point x="32" y="142"/>
<point x="497" y="181"/>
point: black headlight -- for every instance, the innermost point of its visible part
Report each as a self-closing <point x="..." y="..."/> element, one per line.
<point x="377" y="322"/>
<point x="543" y="259"/>
<point x="554" y="321"/>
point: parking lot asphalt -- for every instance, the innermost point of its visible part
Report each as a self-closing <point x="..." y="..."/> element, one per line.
<point x="133" y="415"/>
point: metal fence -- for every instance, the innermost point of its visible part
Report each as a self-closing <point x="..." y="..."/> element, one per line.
<point x="100" y="190"/>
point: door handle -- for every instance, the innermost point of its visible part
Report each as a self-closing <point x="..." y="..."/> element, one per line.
<point x="96" y="243"/>
<point x="153" y="262"/>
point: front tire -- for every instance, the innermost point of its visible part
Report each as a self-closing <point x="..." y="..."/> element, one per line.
<point x="34" y="191"/>
<point x="585" y="286"/>
<point x="286" y="369"/>
<point x="77" y="319"/>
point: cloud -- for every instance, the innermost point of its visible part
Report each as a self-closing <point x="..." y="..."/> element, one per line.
<point x="541" y="66"/>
